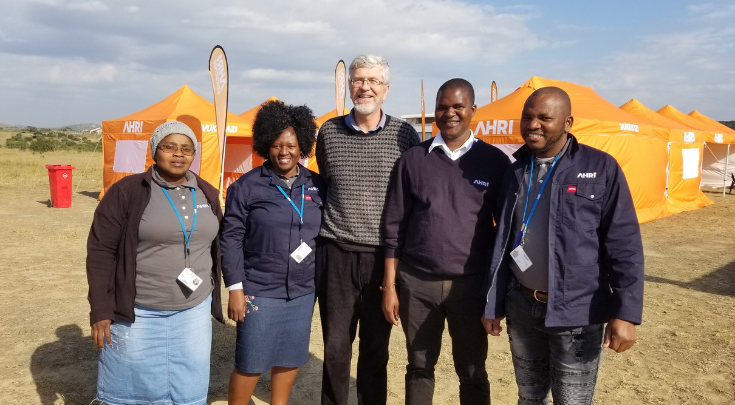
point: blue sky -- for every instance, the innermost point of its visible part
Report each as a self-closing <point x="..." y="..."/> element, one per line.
<point x="70" y="61"/>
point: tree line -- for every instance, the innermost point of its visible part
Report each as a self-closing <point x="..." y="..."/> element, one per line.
<point x="46" y="140"/>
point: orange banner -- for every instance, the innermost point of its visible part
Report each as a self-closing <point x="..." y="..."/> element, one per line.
<point x="340" y="86"/>
<point x="494" y="92"/>
<point x="220" y="85"/>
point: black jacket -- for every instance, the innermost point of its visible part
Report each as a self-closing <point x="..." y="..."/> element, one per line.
<point x="595" y="248"/>
<point x="261" y="229"/>
<point x="112" y="248"/>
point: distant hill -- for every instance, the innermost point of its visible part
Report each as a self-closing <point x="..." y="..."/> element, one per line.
<point x="5" y="125"/>
<point x="81" y="127"/>
<point x="730" y="124"/>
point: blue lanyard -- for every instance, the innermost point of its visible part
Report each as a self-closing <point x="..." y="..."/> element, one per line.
<point x="187" y="238"/>
<point x="301" y="213"/>
<point x="526" y="221"/>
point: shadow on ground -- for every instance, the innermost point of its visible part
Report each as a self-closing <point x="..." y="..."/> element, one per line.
<point x="66" y="369"/>
<point x="91" y="194"/>
<point x="720" y="281"/>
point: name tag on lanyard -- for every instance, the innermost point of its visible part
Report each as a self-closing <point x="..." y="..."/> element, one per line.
<point x="301" y="252"/>
<point x="187" y="277"/>
<point x="519" y="255"/>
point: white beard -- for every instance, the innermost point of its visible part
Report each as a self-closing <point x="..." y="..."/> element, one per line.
<point x="364" y="108"/>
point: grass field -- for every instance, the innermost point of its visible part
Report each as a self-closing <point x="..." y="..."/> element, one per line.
<point x="685" y="352"/>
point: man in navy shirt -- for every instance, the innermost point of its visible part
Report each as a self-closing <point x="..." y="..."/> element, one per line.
<point x="438" y="228"/>
<point x="567" y="258"/>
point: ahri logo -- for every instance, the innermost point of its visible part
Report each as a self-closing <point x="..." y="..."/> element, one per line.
<point x="592" y="175"/>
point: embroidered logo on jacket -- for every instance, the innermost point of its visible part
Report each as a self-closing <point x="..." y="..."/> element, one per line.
<point x="592" y="175"/>
<point x="313" y="188"/>
<point x="482" y="183"/>
<point x="307" y="197"/>
<point x="572" y="189"/>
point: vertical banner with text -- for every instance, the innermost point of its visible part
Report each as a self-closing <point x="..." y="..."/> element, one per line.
<point x="220" y="84"/>
<point x="494" y="92"/>
<point x="423" y="114"/>
<point x="340" y="86"/>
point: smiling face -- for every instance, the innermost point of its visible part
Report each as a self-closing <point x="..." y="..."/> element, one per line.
<point x="284" y="153"/>
<point x="453" y="113"/>
<point x="545" y="122"/>
<point x="366" y="98"/>
<point x="172" y="166"/>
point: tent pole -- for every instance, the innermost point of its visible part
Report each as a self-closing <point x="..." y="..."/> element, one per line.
<point x="724" y="177"/>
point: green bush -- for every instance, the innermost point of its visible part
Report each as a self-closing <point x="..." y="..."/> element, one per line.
<point x="44" y="140"/>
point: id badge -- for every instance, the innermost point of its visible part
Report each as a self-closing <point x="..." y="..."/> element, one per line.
<point x="521" y="259"/>
<point x="301" y="252"/>
<point x="189" y="279"/>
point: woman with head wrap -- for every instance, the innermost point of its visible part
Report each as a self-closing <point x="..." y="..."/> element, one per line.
<point x="154" y="278"/>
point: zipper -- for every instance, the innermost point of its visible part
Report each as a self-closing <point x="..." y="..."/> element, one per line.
<point x="502" y="252"/>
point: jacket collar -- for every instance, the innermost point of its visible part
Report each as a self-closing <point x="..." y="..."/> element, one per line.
<point x="266" y="170"/>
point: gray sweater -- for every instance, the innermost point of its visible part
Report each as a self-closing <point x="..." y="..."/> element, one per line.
<point x="357" y="169"/>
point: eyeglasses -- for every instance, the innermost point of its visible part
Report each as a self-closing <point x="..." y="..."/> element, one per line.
<point x="185" y="150"/>
<point x="360" y="82"/>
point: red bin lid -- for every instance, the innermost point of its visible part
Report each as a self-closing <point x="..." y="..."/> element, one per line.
<point x="60" y="167"/>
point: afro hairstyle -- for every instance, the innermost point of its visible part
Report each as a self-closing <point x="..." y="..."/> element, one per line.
<point x="274" y="117"/>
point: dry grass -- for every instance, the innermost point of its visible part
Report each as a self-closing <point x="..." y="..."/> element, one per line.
<point x="685" y="353"/>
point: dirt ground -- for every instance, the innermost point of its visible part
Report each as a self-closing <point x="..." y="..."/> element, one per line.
<point x="684" y="353"/>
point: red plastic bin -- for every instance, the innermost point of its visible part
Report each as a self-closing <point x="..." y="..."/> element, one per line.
<point x="59" y="179"/>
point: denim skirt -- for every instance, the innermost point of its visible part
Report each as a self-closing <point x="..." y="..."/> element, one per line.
<point x="276" y="335"/>
<point x="160" y="359"/>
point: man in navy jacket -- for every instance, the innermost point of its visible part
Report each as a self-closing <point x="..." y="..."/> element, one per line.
<point x="567" y="258"/>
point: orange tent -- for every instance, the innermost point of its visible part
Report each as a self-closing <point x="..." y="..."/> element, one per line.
<point x="319" y="122"/>
<point x="685" y="158"/>
<point x="324" y="118"/>
<point x="713" y="124"/>
<point x="125" y="148"/>
<point x="239" y="156"/>
<point x="718" y="163"/>
<point x="638" y="146"/>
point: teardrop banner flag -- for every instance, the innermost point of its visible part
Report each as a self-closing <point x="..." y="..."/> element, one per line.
<point x="494" y="92"/>
<point x="423" y="113"/>
<point x="340" y="85"/>
<point x="220" y="84"/>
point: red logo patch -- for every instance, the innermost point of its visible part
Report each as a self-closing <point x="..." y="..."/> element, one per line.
<point x="572" y="189"/>
<point x="307" y="198"/>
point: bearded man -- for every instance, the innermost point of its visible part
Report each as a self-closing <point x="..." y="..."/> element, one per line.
<point x="356" y="154"/>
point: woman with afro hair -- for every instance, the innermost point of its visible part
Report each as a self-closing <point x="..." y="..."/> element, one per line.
<point x="272" y="216"/>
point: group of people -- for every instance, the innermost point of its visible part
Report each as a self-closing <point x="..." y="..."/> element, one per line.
<point x="392" y="228"/>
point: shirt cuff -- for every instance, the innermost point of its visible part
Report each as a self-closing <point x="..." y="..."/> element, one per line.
<point x="233" y="287"/>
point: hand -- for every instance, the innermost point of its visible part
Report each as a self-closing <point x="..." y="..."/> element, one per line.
<point x="237" y="305"/>
<point x="619" y="335"/>
<point x="390" y="305"/>
<point x="101" y="332"/>
<point x="492" y="326"/>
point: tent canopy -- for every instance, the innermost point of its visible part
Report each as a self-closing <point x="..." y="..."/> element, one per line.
<point x="685" y="159"/>
<point x="639" y="149"/>
<point x="326" y="117"/>
<point x="710" y="134"/>
<point x="717" y="126"/>
<point x="125" y="140"/>
<point x="593" y="115"/>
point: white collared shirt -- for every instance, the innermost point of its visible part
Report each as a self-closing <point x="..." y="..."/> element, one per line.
<point x="438" y="142"/>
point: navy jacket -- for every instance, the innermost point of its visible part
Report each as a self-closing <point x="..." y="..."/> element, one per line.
<point x="261" y="229"/>
<point x="595" y="249"/>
